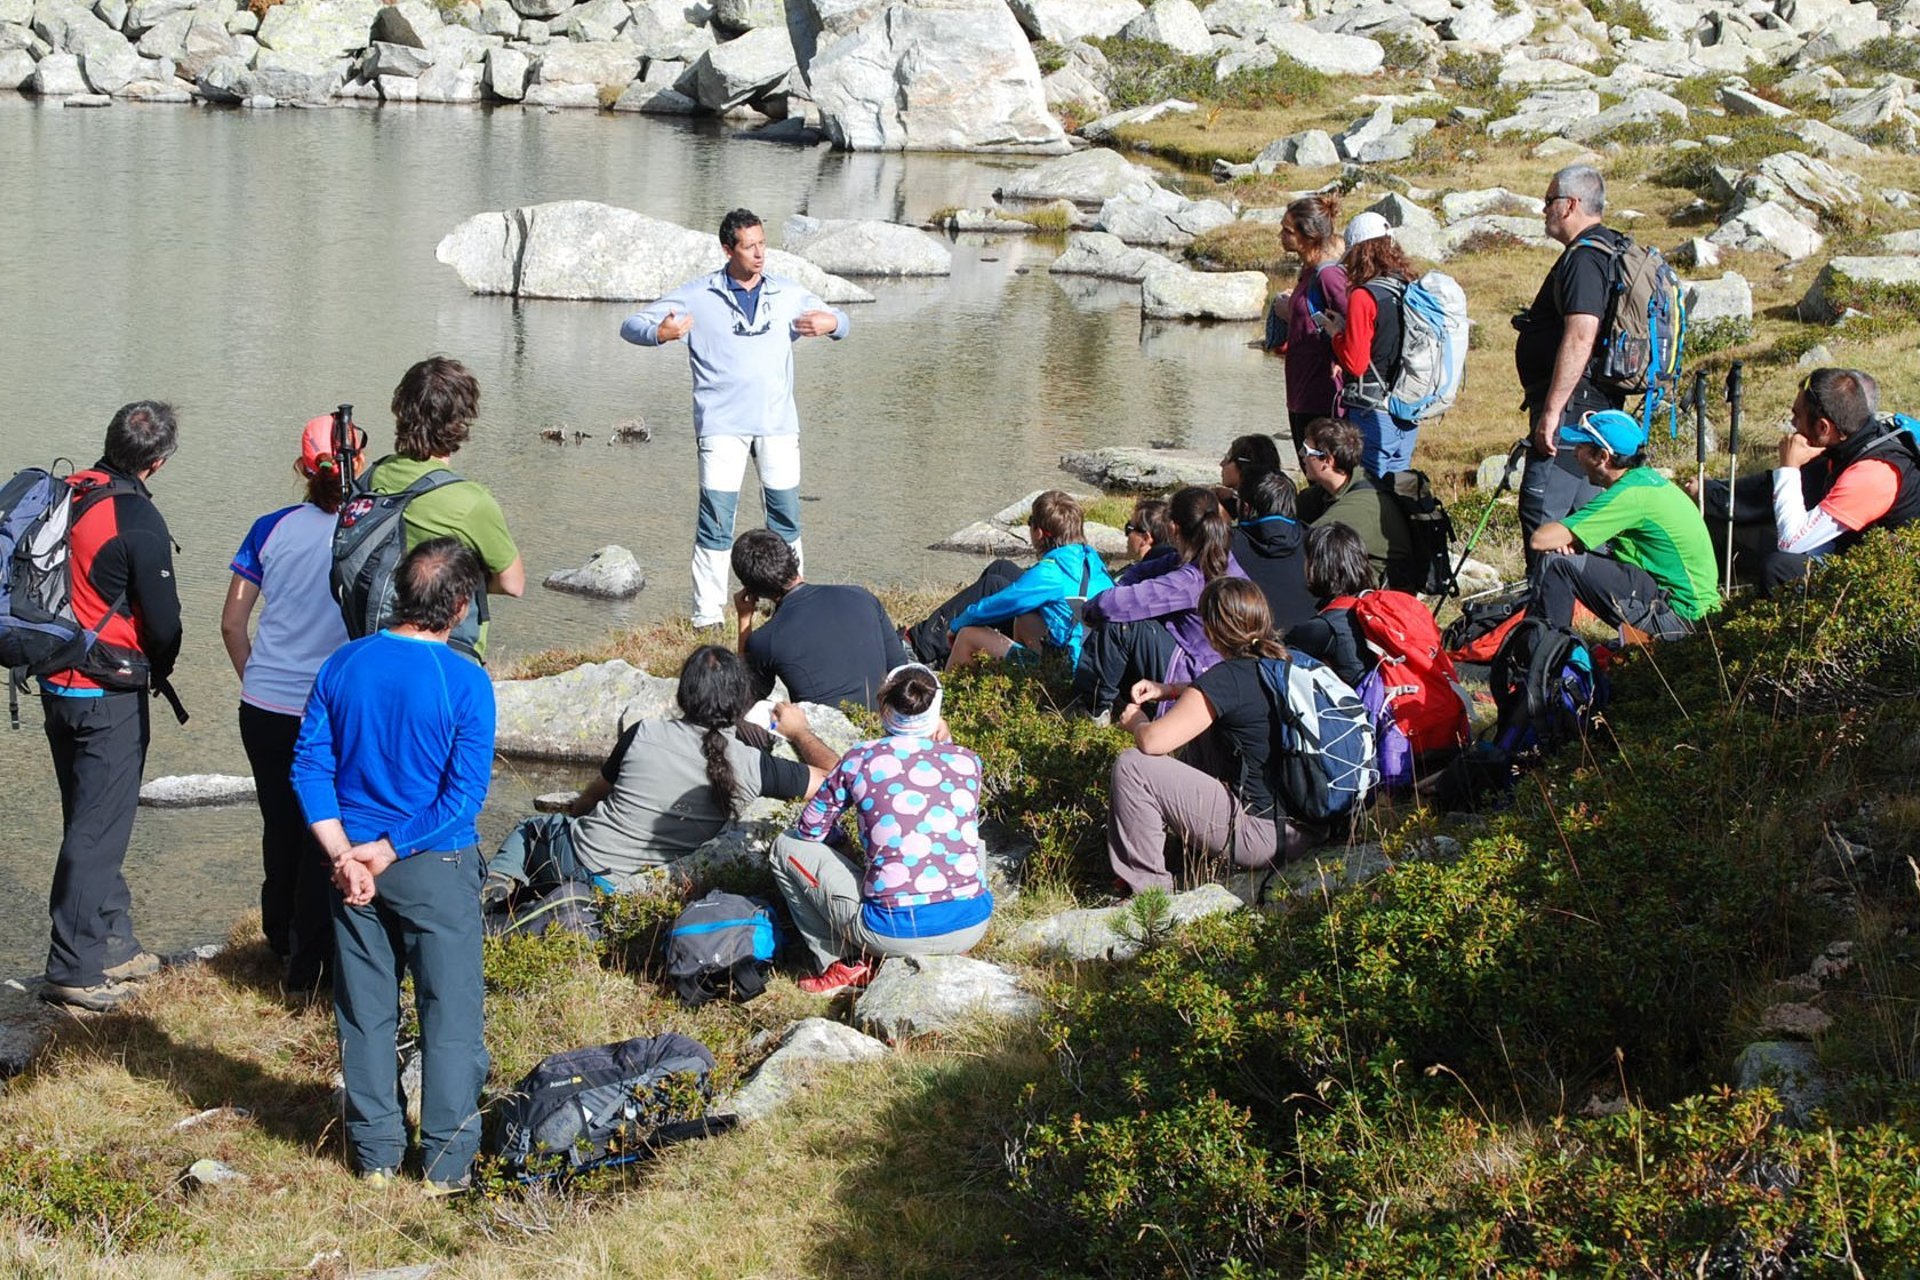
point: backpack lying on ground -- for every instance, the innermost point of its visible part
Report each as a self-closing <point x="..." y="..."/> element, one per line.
<point x="1323" y="762"/>
<point x="369" y="542"/>
<point x="1430" y="571"/>
<point x="570" y="906"/>
<point x="1477" y="634"/>
<point x="1412" y="692"/>
<point x="39" y="633"/>
<point x="606" y="1105"/>
<point x="721" y="948"/>
<point x="1547" y="689"/>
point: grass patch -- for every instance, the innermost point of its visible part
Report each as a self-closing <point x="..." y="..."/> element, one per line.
<point x="1242" y="246"/>
<point x="1630" y="14"/>
<point x="1143" y="73"/>
<point x="1403" y="51"/>
<point x="1056" y="217"/>
<point x="1879" y="56"/>
<point x="1714" y="336"/>
<point x="1471" y="70"/>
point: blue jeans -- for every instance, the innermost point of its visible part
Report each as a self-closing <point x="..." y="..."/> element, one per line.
<point x="539" y="853"/>
<point x="1386" y="442"/>
<point x="425" y="920"/>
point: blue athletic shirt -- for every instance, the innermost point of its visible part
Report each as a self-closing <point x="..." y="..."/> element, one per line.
<point x="397" y="741"/>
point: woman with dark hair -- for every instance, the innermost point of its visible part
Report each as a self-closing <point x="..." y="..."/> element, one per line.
<point x="1149" y="542"/>
<point x="921" y="889"/>
<point x="287" y="558"/>
<point x="1155" y="795"/>
<point x="433" y="411"/>
<point x="1337" y="566"/>
<point x="1148" y="629"/>
<point x="1248" y="454"/>
<point x="1267" y="541"/>
<point x="668" y="787"/>
<point x="1311" y="310"/>
<point x="1368" y="349"/>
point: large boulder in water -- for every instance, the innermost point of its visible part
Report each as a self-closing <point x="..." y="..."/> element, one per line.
<point x="867" y="247"/>
<point x="935" y="75"/>
<point x="580" y="250"/>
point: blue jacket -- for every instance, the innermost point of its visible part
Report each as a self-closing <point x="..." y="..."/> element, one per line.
<point x="1046" y="588"/>
<point x="742" y="365"/>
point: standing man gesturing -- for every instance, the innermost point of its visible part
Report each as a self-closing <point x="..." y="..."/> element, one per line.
<point x="740" y="325"/>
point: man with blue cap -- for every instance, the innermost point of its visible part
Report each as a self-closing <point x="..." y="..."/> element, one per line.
<point x="1658" y="573"/>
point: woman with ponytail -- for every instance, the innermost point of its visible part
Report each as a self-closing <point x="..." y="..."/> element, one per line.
<point x="1148" y="629"/>
<point x="1155" y="794"/>
<point x="1304" y="317"/>
<point x="921" y="889"/>
<point x="668" y="787"/>
<point x="287" y="559"/>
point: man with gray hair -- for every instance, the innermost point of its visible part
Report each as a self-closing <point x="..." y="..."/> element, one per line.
<point x="1842" y="471"/>
<point x="1558" y="334"/>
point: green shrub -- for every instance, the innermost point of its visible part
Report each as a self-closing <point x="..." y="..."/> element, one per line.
<point x="633" y="928"/>
<point x="1630" y="14"/>
<point x="83" y="1197"/>
<point x="1878" y="56"/>
<point x="1142" y="73"/>
<point x="1753" y="141"/>
<point x="1717" y="335"/>
<point x="1471" y="70"/>
<point x="516" y="963"/>
<point x="1403" y="52"/>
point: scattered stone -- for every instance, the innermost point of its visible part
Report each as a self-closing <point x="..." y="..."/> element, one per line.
<point x="867" y="247"/>
<point x="1476" y="577"/>
<point x="1835" y="962"/>
<point x="1063" y="21"/>
<point x="1327" y="52"/>
<point x="1456" y="205"/>
<point x="1089" y="178"/>
<point x="1329" y="871"/>
<point x="86" y="100"/>
<point x="577" y="714"/>
<point x="1146" y="213"/>
<point x="212" y="1115"/>
<point x="554" y="801"/>
<point x="197" y="790"/>
<point x="1099" y="933"/>
<point x="1308" y="149"/>
<point x="1825" y="140"/>
<point x="1791" y="1069"/>
<point x="1642" y="106"/>
<point x="57" y="76"/>
<point x="1796" y="180"/>
<point x="1530" y="232"/>
<point x="1887" y="272"/>
<point x="1099" y="253"/>
<point x="808" y="1049"/>
<point x="1696" y="252"/>
<point x="1174" y="292"/>
<point x="926" y="995"/>
<point x="730" y="74"/>
<point x="1415" y="230"/>
<point x="1770" y="227"/>
<point x="1103" y="128"/>
<point x="1740" y="102"/>
<point x="611" y="573"/>
<point x="1175" y="24"/>
<point x="1800" y="1021"/>
<point x="984" y="538"/>
<point x="1140" y="470"/>
<point x="204" y="1175"/>
<point x="1815" y="357"/>
<point x="1548" y="111"/>
<point x="1728" y="298"/>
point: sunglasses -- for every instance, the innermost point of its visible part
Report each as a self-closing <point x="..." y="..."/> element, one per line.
<point x="1305" y="452"/>
<point x="1134" y="528"/>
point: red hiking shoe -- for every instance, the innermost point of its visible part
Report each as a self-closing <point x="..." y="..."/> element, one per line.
<point x="840" y="976"/>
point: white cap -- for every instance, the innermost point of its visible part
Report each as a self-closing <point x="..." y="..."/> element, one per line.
<point x="1366" y="226"/>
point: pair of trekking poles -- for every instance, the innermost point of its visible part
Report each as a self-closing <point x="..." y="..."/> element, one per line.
<point x="1697" y="398"/>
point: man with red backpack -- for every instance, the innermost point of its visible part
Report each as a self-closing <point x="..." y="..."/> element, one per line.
<point x="120" y="556"/>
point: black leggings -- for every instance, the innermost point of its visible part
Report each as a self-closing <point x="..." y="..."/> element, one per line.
<point x="296" y="910"/>
<point x="931" y="641"/>
<point x="1114" y="655"/>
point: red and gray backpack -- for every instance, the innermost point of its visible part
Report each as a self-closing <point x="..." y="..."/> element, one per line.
<point x="1413" y="690"/>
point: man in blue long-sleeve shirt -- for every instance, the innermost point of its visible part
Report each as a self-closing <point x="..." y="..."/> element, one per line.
<point x="392" y="765"/>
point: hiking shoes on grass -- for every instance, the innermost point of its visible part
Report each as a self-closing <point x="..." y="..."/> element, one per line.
<point x="143" y="965"/>
<point x="104" y="998"/>
<point x="840" y="976"/>
<point x="378" y="1179"/>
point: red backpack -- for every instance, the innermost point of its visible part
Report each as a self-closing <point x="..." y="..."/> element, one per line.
<point x="1417" y="686"/>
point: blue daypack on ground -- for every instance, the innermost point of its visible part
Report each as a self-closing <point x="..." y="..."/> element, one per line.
<point x="721" y="947"/>
<point x="1546" y="687"/>
<point x="1323" y="766"/>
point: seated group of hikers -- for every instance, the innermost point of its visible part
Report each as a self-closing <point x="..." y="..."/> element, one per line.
<point x="1221" y="580"/>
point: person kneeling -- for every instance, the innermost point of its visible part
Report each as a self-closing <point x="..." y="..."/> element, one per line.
<point x="669" y="786"/>
<point x="1153" y="793"/>
<point x="1659" y="575"/>
<point x="922" y="889"/>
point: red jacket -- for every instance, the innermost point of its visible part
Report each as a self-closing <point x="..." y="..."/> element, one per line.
<point x="121" y="558"/>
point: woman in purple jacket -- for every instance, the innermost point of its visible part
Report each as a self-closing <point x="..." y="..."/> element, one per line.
<point x="1317" y="300"/>
<point x="1149" y="629"/>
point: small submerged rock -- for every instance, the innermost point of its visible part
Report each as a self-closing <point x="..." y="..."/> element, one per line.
<point x="611" y="573"/>
<point x="197" y="790"/>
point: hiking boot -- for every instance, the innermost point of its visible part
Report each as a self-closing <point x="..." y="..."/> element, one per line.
<point x="497" y="890"/>
<point x="437" y="1190"/>
<point x="104" y="998"/>
<point x="378" y="1179"/>
<point x="143" y="965"/>
<point x="840" y="976"/>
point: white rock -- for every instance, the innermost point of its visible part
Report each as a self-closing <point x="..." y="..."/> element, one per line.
<point x="396" y="60"/>
<point x="444" y="82"/>
<point x="167" y="38"/>
<point x="1089" y="177"/>
<point x="1456" y="205"/>
<point x="1548" y="111"/>
<point x="1327" y="52"/>
<point x="497" y="18"/>
<point x="1104" y="127"/>
<point x="927" y="995"/>
<point x="611" y="66"/>
<point x="109" y="65"/>
<point x="808" y="1049"/>
<point x="585" y="97"/>
<point x="507" y="72"/>
<point x="1143" y="470"/>
<point x="1528" y="231"/>
<point x="1825" y="140"/>
<point x="741" y="69"/>
<point x="206" y="39"/>
<point x="867" y="247"/>
<point x="1818" y="306"/>
<point x="1642" y="106"/>
<point x="596" y="21"/>
<point x="611" y="573"/>
<point x="294" y="77"/>
<point x="581" y="250"/>
<point x="1696" y="252"/>
<point x="577" y="714"/>
<point x="1900" y="242"/>
<point x="196" y="790"/>
<point x="665" y="29"/>
<point x="737" y="16"/>
<point x="984" y="538"/>
<point x="1795" y="179"/>
<point x="1876" y="107"/>
<point x="144" y="14"/>
<point x="1308" y="149"/>
<point x="318" y="30"/>
<point x="1173" y="23"/>
<point x="86" y="100"/>
<point x="1098" y="253"/>
<point x="1740" y="102"/>
<point x="1064" y="20"/>
<point x="1145" y="213"/>
<point x="936" y="75"/>
<point x="16" y="69"/>
<point x="56" y="76"/>
<point x="204" y="1175"/>
<point x="1415" y="230"/>
<point x="1104" y="933"/>
<point x="1728" y="298"/>
<point x="407" y="22"/>
<point x="541" y="8"/>
<point x="1174" y="292"/>
<point x="1769" y="227"/>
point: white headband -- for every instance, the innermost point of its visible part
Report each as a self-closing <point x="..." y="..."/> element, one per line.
<point x="922" y="725"/>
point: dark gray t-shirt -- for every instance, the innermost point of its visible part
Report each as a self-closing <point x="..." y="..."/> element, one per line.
<point x="661" y="807"/>
<point x="827" y="644"/>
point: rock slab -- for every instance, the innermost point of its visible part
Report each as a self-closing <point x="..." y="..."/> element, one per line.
<point x="611" y="573"/>
<point x="197" y="790"/>
<point x="928" y="995"/>
<point x="807" y="1049"/>
<point x="1143" y="470"/>
<point x="577" y="714"/>
<point x="1100" y="933"/>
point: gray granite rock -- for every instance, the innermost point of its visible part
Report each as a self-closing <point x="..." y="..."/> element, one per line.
<point x="985" y="538"/>
<point x="1089" y="178"/>
<point x="1143" y="470"/>
<point x="1328" y="52"/>
<point x="57" y="76"/>
<point x="866" y="247"/>
<point x="1642" y="106"/>
<point x="1098" y="253"/>
<point x="927" y="995"/>
<point x="1819" y="306"/>
<point x="611" y="573"/>
<point x="743" y="68"/>
<point x="1308" y="149"/>
<point x="507" y="71"/>
<point x="1800" y="183"/>
<point x="1102" y="933"/>
<point x="1728" y="298"/>
<point x="1103" y="128"/>
<point x="1062" y="21"/>
<point x="1173" y="23"/>
<point x="1825" y="140"/>
<point x="577" y="714"/>
<point x="808" y="1049"/>
<point x="1788" y="1067"/>
<point x="1487" y="476"/>
<point x="1548" y="111"/>
<point x="1769" y="227"/>
<point x="1146" y="213"/>
<point x="1416" y="231"/>
<point x="197" y="790"/>
<point x="1175" y="292"/>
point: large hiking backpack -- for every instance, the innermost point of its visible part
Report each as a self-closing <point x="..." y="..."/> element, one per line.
<point x="1322" y="765"/>
<point x="1429" y="570"/>
<point x="1412" y="692"/>
<point x="1546" y="687"/>
<point x="1426" y="375"/>
<point x="1643" y="335"/>
<point x="605" y="1105"/>
<point x="721" y="948"/>
<point x="369" y="542"/>
<point x="39" y="633"/>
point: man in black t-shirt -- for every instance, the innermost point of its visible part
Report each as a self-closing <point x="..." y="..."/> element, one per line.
<point x="1555" y="348"/>
<point x="828" y="645"/>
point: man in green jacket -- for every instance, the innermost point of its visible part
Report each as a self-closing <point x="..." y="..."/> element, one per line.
<point x="1339" y="491"/>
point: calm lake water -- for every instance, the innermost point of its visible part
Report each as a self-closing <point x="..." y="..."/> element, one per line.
<point x="257" y="268"/>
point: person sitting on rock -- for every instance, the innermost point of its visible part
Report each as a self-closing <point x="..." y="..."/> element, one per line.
<point x="922" y="886"/>
<point x="1149" y="542"/>
<point x="1267" y="543"/>
<point x="1040" y="608"/>
<point x="828" y="644"/>
<point x="669" y="785"/>
<point x="1149" y="629"/>
<point x="1155" y="795"/>
<point x="1658" y="574"/>
<point x="1339" y="490"/>
<point x="1337" y="566"/>
<point x="1842" y="471"/>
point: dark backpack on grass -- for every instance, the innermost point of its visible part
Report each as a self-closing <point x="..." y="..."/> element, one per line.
<point x="606" y="1105"/>
<point x="1546" y="687"/>
<point x="1429" y="571"/>
<point x="721" y="947"/>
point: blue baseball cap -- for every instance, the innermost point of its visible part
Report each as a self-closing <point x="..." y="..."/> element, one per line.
<point x="1616" y="432"/>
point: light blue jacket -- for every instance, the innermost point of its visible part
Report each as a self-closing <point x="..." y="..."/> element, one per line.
<point x="1073" y="570"/>
<point x="742" y="365"/>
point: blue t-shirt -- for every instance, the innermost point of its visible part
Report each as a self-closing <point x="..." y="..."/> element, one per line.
<point x="397" y="742"/>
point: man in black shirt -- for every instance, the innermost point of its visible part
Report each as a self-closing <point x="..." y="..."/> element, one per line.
<point x="1555" y="348"/>
<point x="828" y="645"/>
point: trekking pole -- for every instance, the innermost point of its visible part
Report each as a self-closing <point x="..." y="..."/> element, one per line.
<point x="1699" y="397"/>
<point x="1514" y="455"/>
<point x="346" y="448"/>
<point x="1736" y="376"/>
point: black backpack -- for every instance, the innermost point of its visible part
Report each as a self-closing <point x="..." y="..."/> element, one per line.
<point x="606" y="1105"/>
<point x="721" y="947"/>
<point x="1546" y="688"/>
<point x="369" y="541"/>
<point x="1430" y="567"/>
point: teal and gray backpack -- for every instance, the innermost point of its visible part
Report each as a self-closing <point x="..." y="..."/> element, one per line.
<point x="369" y="542"/>
<point x="721" y="947"/>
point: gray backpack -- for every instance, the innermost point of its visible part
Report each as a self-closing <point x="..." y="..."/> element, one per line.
<point x="721" y="947"/>
<point x="369" y="541"/>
